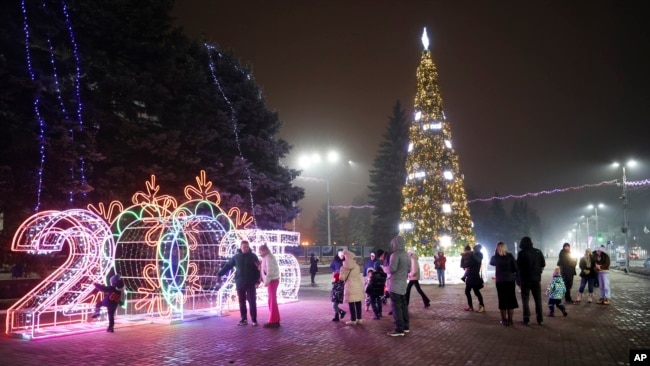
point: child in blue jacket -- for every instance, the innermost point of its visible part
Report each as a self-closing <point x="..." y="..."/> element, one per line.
<point x="555" y="292"/>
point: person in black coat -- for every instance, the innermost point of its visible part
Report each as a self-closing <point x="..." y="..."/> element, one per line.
<point x="313" y="267"/>
<point x="531" y="263"/>
<point x="247" y="277"/>
<point x="471" y="262"/>
<point x="567" y="265"/>
<point x="375" y="290"/>
<point x="505" y="273"/>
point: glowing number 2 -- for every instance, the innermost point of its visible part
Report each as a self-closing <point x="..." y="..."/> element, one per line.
<point x="64" y="296"/>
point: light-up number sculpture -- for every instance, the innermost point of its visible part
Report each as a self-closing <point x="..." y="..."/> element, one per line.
<point x="287" y="263"/>
<point x="167" y="254"/>
<point x="65" y="296"/>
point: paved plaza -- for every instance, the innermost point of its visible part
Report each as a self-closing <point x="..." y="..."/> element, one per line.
<point x="443" y="334"/>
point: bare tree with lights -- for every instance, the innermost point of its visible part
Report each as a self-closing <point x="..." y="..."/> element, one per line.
<point x="435" y="213"/>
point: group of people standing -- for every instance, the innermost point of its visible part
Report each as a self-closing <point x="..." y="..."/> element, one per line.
<point x="387" y="273"/>
<point x="393" y="274"/>
<point x="526" y="272"/>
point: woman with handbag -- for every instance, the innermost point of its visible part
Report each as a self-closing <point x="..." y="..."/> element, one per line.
<point x="587" y="276"/>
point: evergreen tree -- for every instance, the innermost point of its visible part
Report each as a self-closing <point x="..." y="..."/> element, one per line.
<point x="151" y="106"/>
<point x="525" y="221"/>
<point x="435" y="212"/>
<point x="387" y="177"/>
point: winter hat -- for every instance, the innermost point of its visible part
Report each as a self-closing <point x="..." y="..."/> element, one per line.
<point x="601" y="248"/>
<point x="116" y="281"/>
<point x="370" y="271"/>
<point x="336" y="276"/>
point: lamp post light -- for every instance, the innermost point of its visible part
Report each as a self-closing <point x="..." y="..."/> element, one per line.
<point x="624" y="229"/>
<point x="587" y="230"/>
<point x="332" y="157"/>
<point x="595" y="208"/>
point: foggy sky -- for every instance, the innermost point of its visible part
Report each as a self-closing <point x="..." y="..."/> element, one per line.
<point x="540" y="95"/>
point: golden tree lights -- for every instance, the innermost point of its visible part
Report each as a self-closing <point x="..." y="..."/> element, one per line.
<point x="435" y="214"/>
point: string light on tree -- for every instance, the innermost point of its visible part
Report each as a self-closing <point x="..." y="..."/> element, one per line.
<point x="435" y="213"/>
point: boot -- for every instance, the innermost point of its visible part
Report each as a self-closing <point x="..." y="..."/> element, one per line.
<point x="578" y="299"/>
<point x="591" y="298"/>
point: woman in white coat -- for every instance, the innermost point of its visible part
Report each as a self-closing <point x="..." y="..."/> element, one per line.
<point x="353" y="292"/>
<point x="270" y="272"/>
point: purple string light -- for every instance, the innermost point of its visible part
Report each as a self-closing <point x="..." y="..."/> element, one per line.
<point x="37" y="111"/>
<point x="536" y="194"/>
<point x="77" y="89"/>
<point x="60" y="99"/>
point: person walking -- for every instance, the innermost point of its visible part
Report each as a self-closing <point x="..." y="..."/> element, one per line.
<point x="353" y="292"/>
<point x="555" y="291"/>
<point x="313" y="268"/>
<point x="567" y="265"/>
<point x="587" y="276"/>
<point x="397" y="267"/>
<point x="531" y="263"/>
<point x="440" y="263"/>
<point x="601" y="266"/>
<point x="414" y="280"/>
<point x="247" y="277"/>
<point x="473" y="281"/>
<point x="505" y="272"/>
<point x="270" y="272"/>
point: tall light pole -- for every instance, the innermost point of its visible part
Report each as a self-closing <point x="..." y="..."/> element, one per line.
<point x="587" y="233"/>
<point x="595" y="208"/>
<point x="624" y="229"/>
<point x="332" y="157"/>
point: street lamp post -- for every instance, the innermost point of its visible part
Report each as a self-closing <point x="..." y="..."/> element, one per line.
<point x="595" y="207"/>
<point x="332" y="157"/>
<point x="624" y="229"/>
<point x="329" y="227"/>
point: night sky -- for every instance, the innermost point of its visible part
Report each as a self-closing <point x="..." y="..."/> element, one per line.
<point x="540" y="95"/>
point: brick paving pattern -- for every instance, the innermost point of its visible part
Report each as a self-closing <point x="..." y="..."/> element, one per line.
<point x="443" y="334"/>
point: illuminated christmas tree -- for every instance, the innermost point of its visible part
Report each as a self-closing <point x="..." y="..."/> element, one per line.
<point x="435" y="214"/>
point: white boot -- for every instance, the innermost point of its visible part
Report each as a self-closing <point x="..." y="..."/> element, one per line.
<point x="579" y="298"/>
<point x="591" y="298"/>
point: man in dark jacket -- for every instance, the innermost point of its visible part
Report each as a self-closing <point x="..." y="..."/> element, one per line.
<point x="531" y="263"/>
<point x="247" y="277"/>
<point x="567" y="266"/>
